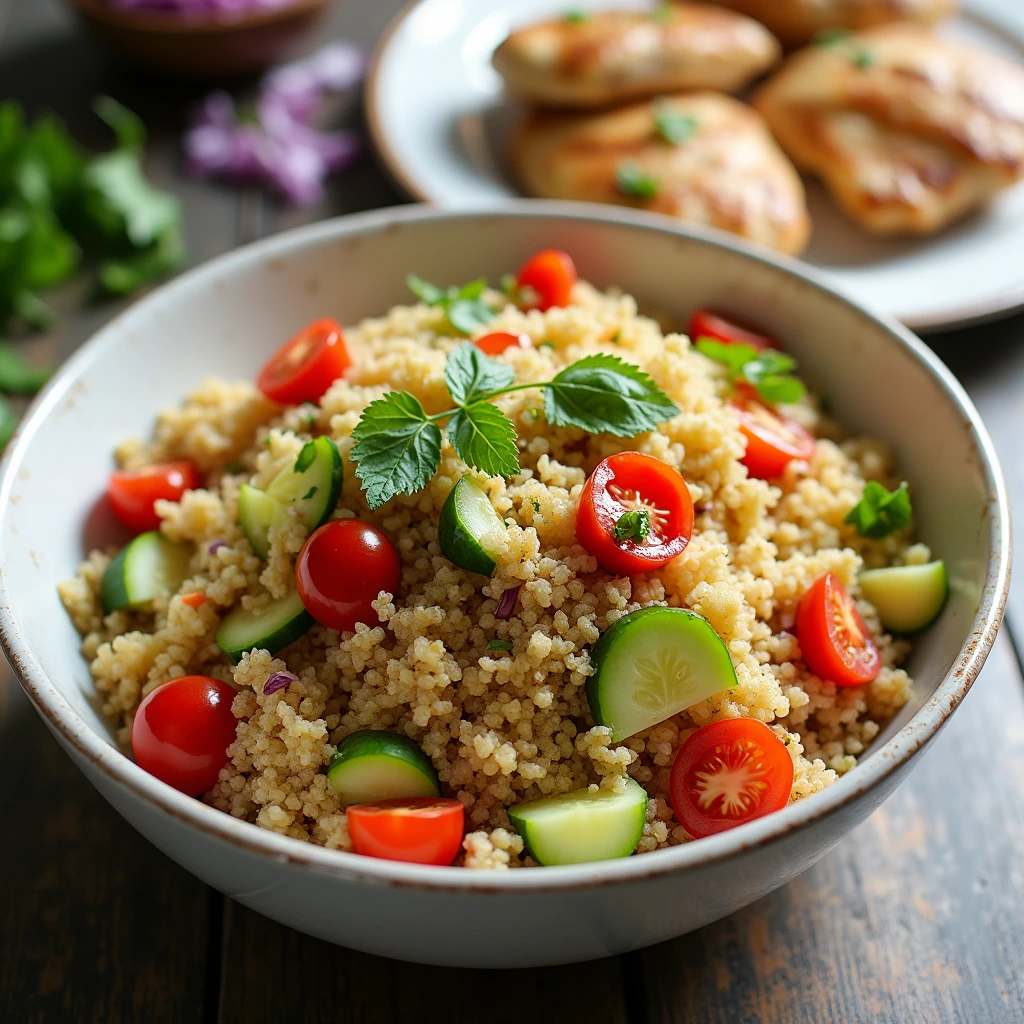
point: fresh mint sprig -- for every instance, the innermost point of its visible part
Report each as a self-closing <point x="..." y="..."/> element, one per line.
<point x="398" y="445"/>
<point x="880" y="511"/>
<point x="464" y="307"/>
<point x="768" y="371"/>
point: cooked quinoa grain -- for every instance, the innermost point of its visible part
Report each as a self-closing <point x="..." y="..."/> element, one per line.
<point x="500" y="726"/>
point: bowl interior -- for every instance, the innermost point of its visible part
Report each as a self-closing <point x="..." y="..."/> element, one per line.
<point x="225" y="318"/>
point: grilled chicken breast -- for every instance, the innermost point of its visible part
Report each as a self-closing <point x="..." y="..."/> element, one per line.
<point x="703" y="157"/>
<point x="614" y="56"/>
<point x="795" y="21"/>
<point x="908" y="131"/>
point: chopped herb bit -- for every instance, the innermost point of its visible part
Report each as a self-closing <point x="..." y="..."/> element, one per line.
<point x="536" y="504"/>
<point x="864" y="59"/>
<point x="674" y="127"/>
<point x="534" y="414"/>
<point x="266" y="441"/>
<point x="630" y="180"/>
<point x="831" y="37"/>
<point x="235" y="466"/>
<point x="464" y="307"/>
<point x="309" y="494"/>
<point x="880" y="511"/>
<point x="306" y="457"/>
<point x="546" y="344"/>
<point x="575" y="17"/>
<point x="768" y="371"/>
<point x="662" y="13"/>
<point x="8" y="422"/>
<point x="632" y="525"/>
<point x="17" y="375"/>
<point x="500" y="645"/>
<point x="836" y="37"/>
<point x="616" y="337"/>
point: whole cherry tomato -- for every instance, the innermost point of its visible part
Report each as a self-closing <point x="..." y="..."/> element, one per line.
<point x="550" y="275"/>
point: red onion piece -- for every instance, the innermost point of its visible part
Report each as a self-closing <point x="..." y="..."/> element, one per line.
<point x="278" y="681"/>
<point x="216" y="546"/>
<point x="507" y="602"/>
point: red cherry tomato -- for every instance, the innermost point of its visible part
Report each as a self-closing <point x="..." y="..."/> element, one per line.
<point x="773" y="440"/>
<point x="182" y="731"/>
<point x="705" y="324"/>
<point x="341" y="569"/>
<point x="305" y="366"/>
<point x="419" y="829"/>
<point x="728" y="773"/>
<point x="833" y="638"/>
<point x="495" y="344"/>
<point x="132" y="492"/>
<point x="551" y="275"/>
<point x="633" y="481"/>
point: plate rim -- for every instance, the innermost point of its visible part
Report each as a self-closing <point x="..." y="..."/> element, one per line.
<point x="999" y="306"/>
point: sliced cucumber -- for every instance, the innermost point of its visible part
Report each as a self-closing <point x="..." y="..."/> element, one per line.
<point x="146" y="567"/>
<point x="906" y="597"/>
<point x="375" y="765"/>
<point x="311" y="486"/>
<point x="469" y="528"/>
<point x="271" y="628"/>
<point x="257" y="514"/>
<point x="582" y="826"/>
<point x="652" y="664"/>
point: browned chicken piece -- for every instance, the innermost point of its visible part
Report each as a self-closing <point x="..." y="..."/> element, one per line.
<point x="703" y="157"/>
<point x="909" y="131"/>
<point x="796" y="21"/>
<point x="614" y="56"/>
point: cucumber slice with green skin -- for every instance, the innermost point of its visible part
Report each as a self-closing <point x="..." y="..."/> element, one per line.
<point x="652" y="664"/>
<point x="373" y="765"/>
<point x="257" y="514"/>
<point x="311" y="486"/>
<point x="146" y="567"/>
<point x="469" y="527"/>
<point x="272" y="628"/>
<point x="583" y="826"/>
<point x="906" y="597"/>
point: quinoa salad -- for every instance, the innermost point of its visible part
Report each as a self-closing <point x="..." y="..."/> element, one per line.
<point x="511" y="576"/>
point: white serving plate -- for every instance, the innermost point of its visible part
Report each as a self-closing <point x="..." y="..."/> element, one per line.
<point x="441" y="126"/>
<point x="226" y="317"/>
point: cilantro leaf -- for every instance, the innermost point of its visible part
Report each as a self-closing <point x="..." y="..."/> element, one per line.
<point x="464" y="307"/>
<point x="129" y="273"/>
<point x="672" y="125"/>
<point x="768" y="371"/>
<point x="469" y="373"/>
<point x="500" y="645"/>
<point x="632" y="525"/>
<point x="424" y="290"/>
<point x="17" y="375"/>
<point x="398" y="448"/>
<point x="126" y="125"/>
<point x="734" y="357"/>
<point x="630" y="180"/>
<point x="880" y="511"/>
<point x="485" y="439"/>
<point x="604" y="394"/>
<point x="120" y="200"/>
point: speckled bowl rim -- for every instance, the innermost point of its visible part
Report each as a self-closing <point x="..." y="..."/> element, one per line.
<point x="910" y="739"/>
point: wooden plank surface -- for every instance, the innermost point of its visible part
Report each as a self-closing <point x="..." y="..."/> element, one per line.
<point x="918" y="917"/>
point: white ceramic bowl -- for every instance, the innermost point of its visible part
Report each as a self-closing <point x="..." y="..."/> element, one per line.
<point x="225" y="318"/>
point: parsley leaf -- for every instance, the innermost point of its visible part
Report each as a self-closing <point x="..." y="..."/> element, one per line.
<point x="768" y="371"/>
<point x="485" y="439"/>
<point x="604" y="394"/>
<point x="632" y="525"/>
<point x="672" y="125"/>
<point x="575" y="17"/>
<point x="424" y="290"/>
<point x="464" y="307"/>
<point x="880" y="511"/>
<point x="469" y="373"/>
<point x="119" y="200"/>
<point x="630" y="180"/>
<point x="398" y="448"/>
<point x="500" y="645"/>
<point x="17" y="376"/>
<point x="128" y="273"/>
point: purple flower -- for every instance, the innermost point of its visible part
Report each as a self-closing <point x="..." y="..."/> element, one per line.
<point x="278" y="681"/>
<point x="201" y="7"/>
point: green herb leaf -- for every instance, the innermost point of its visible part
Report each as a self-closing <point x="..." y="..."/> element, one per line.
<point x="880" y="511"/>
<point x="863" y="59"/>
<point x="468" y="315"/>
<point x="536" y="504"/>
<point x="126" y="125"/>
<point x="8" y="422"/>
<point x="424" y="290"/>
<point x="129" y="273"/>
<point x="469" y="373"/>
<point x="631" y="181"/>
<point x="120" y="199"/>
<point x="632" y="525"/>
<point x="485" y="439"/>
<point x="672" y="125"/>
<point x="831" y="37"/>
<point x="398" y="448"/>
<point x="500" y="645"/>
<point x="767" y="370"/>
<point x="465" y="310"/>
<point x="604" y="394"/>
<point x="309" y="494"/>
<point x="662" y="13"/>
<point x="17" y="375"/>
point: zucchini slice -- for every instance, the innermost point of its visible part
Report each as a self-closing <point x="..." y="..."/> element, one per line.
<point x="906" y="597"/>
<point x="652" y="664"/>
<point x="469" y="527"/>
<point x="373" y="765"/>
<point x="582" y="826"/>
<point x="271" y="628"/>
<point x="146" y="567"/>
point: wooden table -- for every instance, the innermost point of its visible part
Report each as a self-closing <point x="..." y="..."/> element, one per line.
<point x="918" y="917"/>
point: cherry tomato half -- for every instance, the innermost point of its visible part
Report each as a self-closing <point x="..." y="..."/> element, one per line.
<point x="305" y="366"/>
<point x="419" y="829"/>
<point x="495" y="344"/>
<point x="773" y="440"/>
<point x="133" y="492"/>
<point x="182" y="730"/>
<point x="341" y="569"/>
<point x="632" y="481"/>
<point x="550" y="275"/>
<point x="728" y="773"/>
<point x="705" y="324"/>
<point x="835" y="642"/>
